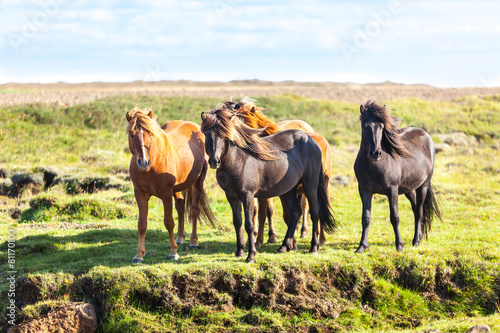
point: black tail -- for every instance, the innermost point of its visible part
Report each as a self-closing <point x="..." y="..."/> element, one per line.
<point x="326" y="218"/>
<point x="431" y="209"/>
<point x="206" y="213"/>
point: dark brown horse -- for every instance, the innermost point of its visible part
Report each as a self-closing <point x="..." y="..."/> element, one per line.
<point x="167" y="162"/>
<point x="252" y="115"/>
<point x="394" y="161"/>
<point x="249" y="166"/>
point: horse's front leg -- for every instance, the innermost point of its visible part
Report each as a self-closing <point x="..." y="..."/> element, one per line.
<point x="142" y="225"/>
<point x="249" y="206"/>
<point x="168" y="221"/>
<point x="393" y="206"/>
<point x="237" y="222"/>
<point x="366" y="199"/>
<point x="291" y="214"/>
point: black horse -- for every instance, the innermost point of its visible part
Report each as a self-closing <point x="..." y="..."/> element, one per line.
<point x="249" y="166"/>
<point x="394" y="161"/>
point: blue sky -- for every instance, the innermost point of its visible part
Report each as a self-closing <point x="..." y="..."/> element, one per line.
<point x="443" y="43"/>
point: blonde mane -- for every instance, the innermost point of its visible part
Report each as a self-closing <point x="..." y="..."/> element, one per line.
<point x="224" y="121"/>
<point x="252" y="115"/>
<point x="140" y="118"/>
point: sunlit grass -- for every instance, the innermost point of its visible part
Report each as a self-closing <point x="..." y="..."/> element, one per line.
<point x="66" y="248"/>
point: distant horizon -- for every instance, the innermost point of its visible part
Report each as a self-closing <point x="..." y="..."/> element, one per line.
<point x="242" y="81"/>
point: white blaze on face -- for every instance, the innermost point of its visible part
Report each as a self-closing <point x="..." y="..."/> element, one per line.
<point x="142" y="145"/>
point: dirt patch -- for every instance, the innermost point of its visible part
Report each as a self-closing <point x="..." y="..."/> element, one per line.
<point x="68" y="317"/>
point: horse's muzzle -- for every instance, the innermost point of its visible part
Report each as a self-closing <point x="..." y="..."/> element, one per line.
<point x="143" y="164"/>
<point x="375" y="155"/>
<point x="213" y="163"/>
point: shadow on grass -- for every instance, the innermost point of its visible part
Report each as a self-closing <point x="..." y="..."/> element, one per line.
<point x="113" y="247"/>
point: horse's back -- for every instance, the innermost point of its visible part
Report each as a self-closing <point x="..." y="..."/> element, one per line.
<point x="295" y="124"/>
<point x="176" y="126"/>
<point x="416" y="140"/>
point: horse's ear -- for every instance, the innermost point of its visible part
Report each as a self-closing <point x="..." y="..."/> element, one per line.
<point x="203" y="116"/>
<point x="362" y="109"/>
<point x="150" y="114"/>
<point x="129" y="117"/>
<point x="252" y="110"/>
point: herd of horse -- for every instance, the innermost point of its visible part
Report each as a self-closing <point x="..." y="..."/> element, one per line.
<point x="256" y="158"/>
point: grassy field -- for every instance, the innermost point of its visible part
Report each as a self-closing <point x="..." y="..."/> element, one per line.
<point x="64" y="192"/>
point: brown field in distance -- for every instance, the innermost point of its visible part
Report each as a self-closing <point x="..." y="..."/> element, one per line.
<point x="70" y="94"/>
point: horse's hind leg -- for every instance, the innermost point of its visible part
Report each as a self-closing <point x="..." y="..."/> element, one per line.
<point x="271" y="232"/>
<point x="180" y="208"/>
<point x="168" y="221"/>
<point x="262" y="212"/>
<point x="291" y="215"/>
<point x="304" y="232"/>
<point x="393" y="206"/>
<point x="417" y="198"/>
<point x="195" y="207"/>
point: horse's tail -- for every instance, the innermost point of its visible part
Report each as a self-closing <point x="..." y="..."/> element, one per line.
<point x="206" y="213"/>
<point x="326" y="218"/>
<point x="431" y="209"/>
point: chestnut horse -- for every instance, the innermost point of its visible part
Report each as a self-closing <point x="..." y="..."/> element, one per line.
<point x="394" y="161"/>
<point x="249" y="166"/>
<point x="167" y="161"/>
<point x="251" y="115"/>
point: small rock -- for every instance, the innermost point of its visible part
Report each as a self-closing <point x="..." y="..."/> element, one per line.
<point x="458" y="139"/>
<point x="340" y="181"/>
<point x="50" y="173"/>
<point x="479" y="329"/>
<point x="440" y="147"/>
<point x="25" y="179"/>
<point x="69" y="317"/>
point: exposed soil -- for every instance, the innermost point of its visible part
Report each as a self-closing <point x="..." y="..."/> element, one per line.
<point x="71" y="94"/>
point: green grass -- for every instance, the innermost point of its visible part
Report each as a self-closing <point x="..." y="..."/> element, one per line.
<point x="74" y="245"/>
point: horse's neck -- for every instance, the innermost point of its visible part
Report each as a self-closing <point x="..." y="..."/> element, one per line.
<point x="161" y="151"/>
<point x="230" y="156"/>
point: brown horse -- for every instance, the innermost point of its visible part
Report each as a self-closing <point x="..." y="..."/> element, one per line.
<point x="251" y="115"/>
<point x="167" y="161"/>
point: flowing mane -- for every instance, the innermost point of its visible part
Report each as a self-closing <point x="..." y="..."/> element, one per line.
<point x="251" y="115"/>
<point x="390" y="140"/>
<point x="222" y="120"/>
<point x="140" y="118"/>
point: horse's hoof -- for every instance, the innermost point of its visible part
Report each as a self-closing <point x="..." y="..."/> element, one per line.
<point x="258" y="245"/>
<point x="360" y="249"/>
<point x="137" y="261"/>
<point x="282" y="249"/>
<point x="250" y="260"/>
<point x="195" y="247"/>
<point x="173" y="256"/>
<point x="400" y="247"/>
<point x="239" y="253"/>
<point x="304" y="234"/>
<point x="271" y="239"/>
